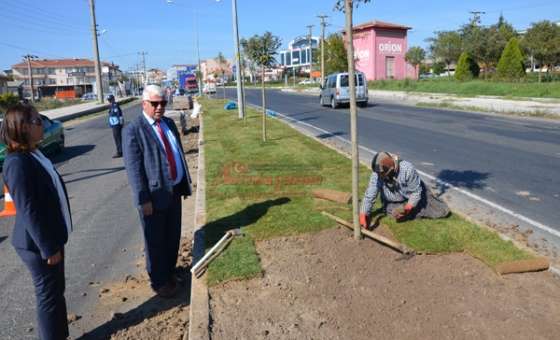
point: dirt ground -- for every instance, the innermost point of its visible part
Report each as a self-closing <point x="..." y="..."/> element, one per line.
<point x="131" y="309"/>
<point x="329" y="286"/>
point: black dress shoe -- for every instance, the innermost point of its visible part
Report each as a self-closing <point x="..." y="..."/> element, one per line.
<point x="117" y="155"/>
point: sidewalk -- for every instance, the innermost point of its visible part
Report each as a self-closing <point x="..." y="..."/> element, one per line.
<point x="522" y="106"/>
<point x="70" y="112"/>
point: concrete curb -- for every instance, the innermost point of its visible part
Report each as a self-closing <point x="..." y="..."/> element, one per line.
<point x="199" y="311"/>
<point x="85" y="112"/>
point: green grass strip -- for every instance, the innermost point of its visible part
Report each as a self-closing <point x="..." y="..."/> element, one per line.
<point x="472" y="88"/>
<point x="265" y="189"/>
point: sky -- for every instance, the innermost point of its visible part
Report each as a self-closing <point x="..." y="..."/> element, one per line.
<point x="167" y="29"/>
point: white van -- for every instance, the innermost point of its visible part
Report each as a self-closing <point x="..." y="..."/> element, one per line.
<point x="336" y="90"/>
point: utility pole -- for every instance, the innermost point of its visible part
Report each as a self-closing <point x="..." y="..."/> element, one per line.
<point x="143" y="54"/>
<point x="198" y="55"/>
<point x="28" y="57"/>
<point x="323" y="24"/>
<point x="240" y="98"/>
<point x="476" y="16"/>
<point x="96" y="53"/>
<point x="310" y="55"/>
<point x="348" y="7"/>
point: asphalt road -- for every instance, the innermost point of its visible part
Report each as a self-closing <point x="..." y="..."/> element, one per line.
<point x="106" y="225"/>
<point x="511" y="162"/>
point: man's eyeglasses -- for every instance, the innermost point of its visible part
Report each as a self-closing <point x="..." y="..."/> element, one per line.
<point x="157" y="103"/>
<point x="36" y="121"/>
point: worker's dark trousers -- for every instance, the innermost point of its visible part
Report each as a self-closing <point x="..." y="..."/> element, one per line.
<point x="117" y="135"/>
<point x="162" y="234"/>
<point x="49" y="291"/>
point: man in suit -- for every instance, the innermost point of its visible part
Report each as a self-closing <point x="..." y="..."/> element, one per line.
<point x="158" y="176"/>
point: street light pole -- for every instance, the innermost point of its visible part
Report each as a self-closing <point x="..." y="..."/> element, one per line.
<point x="323" y="24"/>
<point x="198" y="55"/>
<point x="28" y="57"/>
<point x="240" y="99"/>
<point x="310" y="55"/>
<point x="96" y="61"/>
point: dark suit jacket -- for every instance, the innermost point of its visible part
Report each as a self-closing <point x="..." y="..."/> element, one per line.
<point x="146" y="164"/>
<point x="40" y="226"/>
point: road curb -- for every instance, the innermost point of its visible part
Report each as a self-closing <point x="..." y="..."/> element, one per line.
<point x="89" y="111"/>
<point x="199" y="311"/>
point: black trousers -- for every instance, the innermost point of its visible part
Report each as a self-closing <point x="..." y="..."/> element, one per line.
<point x="49" y="291"/>
<point x="117" y="135"/>
<point x="162" y="234"/>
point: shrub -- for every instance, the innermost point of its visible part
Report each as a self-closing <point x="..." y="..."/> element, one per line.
<point x="7" y="100"/>
<point x="511" y="65"/>
<point x="467" y="68"/>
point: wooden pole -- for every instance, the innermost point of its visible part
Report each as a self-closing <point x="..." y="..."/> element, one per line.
<point x="379" y="238"/>
<point x="348" y="6"/>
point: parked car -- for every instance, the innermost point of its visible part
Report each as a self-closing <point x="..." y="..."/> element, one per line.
<point x="52" y="142"/>
<point x="209" y="88"/>
<point x="89" y="96"/>
<point x="306" y="82"/>
<point x="335" y="91"/>
<point x="427" y="75"/>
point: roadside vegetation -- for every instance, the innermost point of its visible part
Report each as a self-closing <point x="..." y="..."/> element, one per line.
<point x="264" y="188"/>
<point x="49" y="104"/>
<point x="475" y="87"/>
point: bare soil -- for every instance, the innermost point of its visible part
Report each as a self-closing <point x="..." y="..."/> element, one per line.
<point x="329" y="286"/>
<point x="132" y="310"/>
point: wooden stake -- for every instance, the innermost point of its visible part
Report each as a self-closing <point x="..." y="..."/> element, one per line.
<point x="379" y="238"/>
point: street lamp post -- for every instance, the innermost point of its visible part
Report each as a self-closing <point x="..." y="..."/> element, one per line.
<point x="240" y="99"/>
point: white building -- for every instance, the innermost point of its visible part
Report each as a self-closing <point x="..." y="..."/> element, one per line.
<point x="299" y="53"/>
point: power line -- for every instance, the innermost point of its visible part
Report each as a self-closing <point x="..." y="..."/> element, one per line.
<point x="43" y="13"/>
<point x="41" y="19"/>
<point x="27" y="49"/>
<point x="48" y="31"/>
<point x="29" y="23"/>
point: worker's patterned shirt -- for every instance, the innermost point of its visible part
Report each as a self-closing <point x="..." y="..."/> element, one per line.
<point x="407" y="187"/>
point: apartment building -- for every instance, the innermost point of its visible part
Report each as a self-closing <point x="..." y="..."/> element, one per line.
<point x="64" y="78"/>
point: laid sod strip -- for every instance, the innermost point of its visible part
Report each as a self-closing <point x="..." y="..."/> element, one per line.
<point x="266" y="189"/>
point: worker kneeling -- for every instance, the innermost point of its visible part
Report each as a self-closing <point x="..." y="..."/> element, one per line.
<point x="403" y="194"/>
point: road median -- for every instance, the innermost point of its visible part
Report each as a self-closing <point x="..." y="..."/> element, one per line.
<point x="266" y="190"/>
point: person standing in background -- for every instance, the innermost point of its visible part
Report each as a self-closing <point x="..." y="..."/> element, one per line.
<point x="116" y="122"/>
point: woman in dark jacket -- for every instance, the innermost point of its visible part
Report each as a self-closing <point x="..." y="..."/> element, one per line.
<point x="43" y="219"/>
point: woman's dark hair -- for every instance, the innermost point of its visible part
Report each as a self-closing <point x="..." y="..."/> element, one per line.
<point x="16" y="126"/>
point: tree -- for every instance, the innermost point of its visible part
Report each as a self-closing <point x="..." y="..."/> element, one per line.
<point x="222" y="68"/>
<point x="7" y="100"/>
<point x="438" y="68"/>
<point x="493" y="41"/>
<point x="336" y="59"/>
<point x="415" y="56"/>
<point x="348" y="6"/>
<point x="446" y="47"/>
<point x="467" y="68"/>
<point x="511" y="64"/>
<point x="543" y="42"/>
<point x="261" y="50"/>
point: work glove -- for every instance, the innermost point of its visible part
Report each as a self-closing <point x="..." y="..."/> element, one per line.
<point x="400" y="214"/>
<point x="364" y="220"/>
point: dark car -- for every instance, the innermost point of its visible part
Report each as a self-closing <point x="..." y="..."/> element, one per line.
<point x="52" y="142"/>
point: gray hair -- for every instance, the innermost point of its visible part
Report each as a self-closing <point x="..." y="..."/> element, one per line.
<point x="152" y="90"/>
